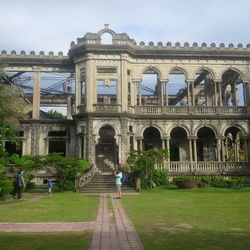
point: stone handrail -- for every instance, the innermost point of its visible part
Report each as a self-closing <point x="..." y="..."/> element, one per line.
<point x="107" y="108"/>
<point x="208" y="167"/>
<point x="87" y="177"/>
<point x="190" y="110"/>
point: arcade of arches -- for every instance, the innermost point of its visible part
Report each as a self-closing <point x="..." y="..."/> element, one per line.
<point x="193" y="101"/>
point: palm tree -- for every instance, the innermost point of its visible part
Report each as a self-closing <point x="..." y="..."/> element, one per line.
<point x="12" y="107"/>
<point x="12" y="103"/>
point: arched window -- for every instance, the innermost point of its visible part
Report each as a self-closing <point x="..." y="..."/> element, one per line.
<point x="106" y="38"/>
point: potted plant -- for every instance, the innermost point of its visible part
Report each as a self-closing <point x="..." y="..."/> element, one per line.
<point x="186" y="181"/>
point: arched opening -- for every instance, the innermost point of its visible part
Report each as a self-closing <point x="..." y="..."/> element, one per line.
<point x="150" y="91"/>
<point x="203" y="91"/>
<point x="176" y="88"/>
<point x="151" y="139"/>
<point x="106" y="38"/>
<point x="232" y="89"/>
<point x="206" y="145"/>
<point x="179" y="148"/>
<point x="235" y="145"/>
<point x="106" y="150"/>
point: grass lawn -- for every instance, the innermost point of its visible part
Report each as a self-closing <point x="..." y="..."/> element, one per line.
<point x="61" y="207"/>
<point x="51" y="240"/>
<point x="211" y="218"/>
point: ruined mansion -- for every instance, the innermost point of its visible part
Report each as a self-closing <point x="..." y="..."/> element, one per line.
<point x="192" y="100"/>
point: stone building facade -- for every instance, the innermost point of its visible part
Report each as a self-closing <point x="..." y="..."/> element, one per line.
<point x="205" y="125"/>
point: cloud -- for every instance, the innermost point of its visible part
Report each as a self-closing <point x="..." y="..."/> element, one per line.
<point x="52" y="24"/>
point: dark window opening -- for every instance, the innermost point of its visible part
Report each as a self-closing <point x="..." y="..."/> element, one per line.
<point x="57" y="147"/>
<point x="20" y="133"/>
<point x="12" y="148"/>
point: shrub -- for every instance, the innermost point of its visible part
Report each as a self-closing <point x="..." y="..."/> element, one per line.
<point x="160" y="177"/>
<point x="6" y="187"/>
<point x="218" y="181"/>
<point x="236" y="182"/>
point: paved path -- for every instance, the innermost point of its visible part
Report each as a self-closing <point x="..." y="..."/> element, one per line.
<point x="113" y="229"/>
<point x="46" y="227"/>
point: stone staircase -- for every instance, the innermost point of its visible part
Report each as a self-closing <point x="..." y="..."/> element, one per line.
<point x="104" y="180"/>
<point x="105" y="183"/>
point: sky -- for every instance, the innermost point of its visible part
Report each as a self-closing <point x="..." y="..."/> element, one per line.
<point x="50" y="25"/>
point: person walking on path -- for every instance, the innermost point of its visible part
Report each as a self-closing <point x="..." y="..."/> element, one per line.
<point x="118" y="183"/>
<point x="20" y="184"/>
<point x="50" y="185"/>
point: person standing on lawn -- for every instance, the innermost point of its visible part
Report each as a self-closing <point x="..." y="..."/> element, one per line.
<point x="50" y="187"/>
<point x="118" y="183"/>
<point x="20" y="184"/>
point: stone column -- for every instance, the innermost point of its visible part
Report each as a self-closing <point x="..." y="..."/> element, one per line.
<point x="161" y="93"/>
<point x="192" y="94"/>
<point x="139" y="93"/>
<point x="218" y="150"/>
<point x="166" y="92"/>
<point x="163" y="146"/>
<point x="215" y="94"/>
<point x="132" y="93"/>
<point x="139" y="143"/>
<point x="124" y="83"/>
<point x="118" y="91"/>
<point x="78" y="86"/>
<point x="69" y="107"/>
<point x="36" y="93"/>
<point x="195" y="150"/>
<point x="190" y="150"/>
<point x="220" y="94"/>
<point x="246" y="93"/>
<point x="188" y="94"/>
<point x="90" y="82"/>
<point x="226" y="148"/>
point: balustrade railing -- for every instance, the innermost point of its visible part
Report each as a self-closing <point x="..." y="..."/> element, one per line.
<point x="206" y="167"/>
<point x="190" y="110"/>
<point x="85" y="178"/>
<point x="175" y="110"/>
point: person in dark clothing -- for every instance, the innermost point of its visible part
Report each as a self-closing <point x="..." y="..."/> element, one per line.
<point x="20" y="184"/>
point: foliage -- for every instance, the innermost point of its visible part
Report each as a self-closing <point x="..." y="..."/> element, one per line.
<point x="142" y="164"/>
<point x="66" y="168"/>
<point x="8" y="132"/>
<point x="57" y="114"/>
<point x="6" y="186"/>
<point x="12" y="103"/>
<point x="236" y="182"/>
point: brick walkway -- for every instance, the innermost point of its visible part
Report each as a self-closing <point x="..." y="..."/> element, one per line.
<point x="46" y="227"/>
<point x="113" y="229"/>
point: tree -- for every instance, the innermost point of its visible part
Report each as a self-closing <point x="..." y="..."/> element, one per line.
<point x="142" y="164"/>
<point x="57" y="114"/>
<point x="13" y="106"/>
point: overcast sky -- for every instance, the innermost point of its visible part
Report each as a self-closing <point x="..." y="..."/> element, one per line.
<point x="52" y="24"/>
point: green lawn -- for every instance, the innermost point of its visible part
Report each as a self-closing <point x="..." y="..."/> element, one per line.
<point x="61" y="207"/>
<point x="41" y="241"/>
<point x="191" y="219"/>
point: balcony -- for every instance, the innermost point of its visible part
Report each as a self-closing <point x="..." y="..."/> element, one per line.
<point x="207" y="168"/>
<point x="170" y="110"/>
<point x="190" y="110"/>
